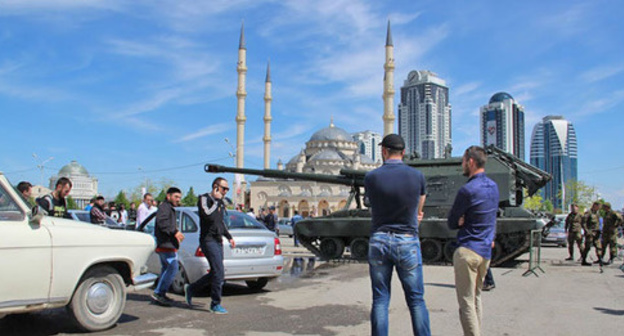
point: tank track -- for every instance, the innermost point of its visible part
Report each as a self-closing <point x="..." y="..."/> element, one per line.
<point x="510" y="250"/>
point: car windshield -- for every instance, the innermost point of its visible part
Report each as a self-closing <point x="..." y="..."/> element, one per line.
<point x="9" y="210"/>
<point x="559" y="223"/>
<point x="238" y="220"/>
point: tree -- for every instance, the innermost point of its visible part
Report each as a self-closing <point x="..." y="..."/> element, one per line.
<point x="161" y="196"/>
<point x="71" y="204"/>
<point x="121" y="199"/>
<point x="190" y="199"/>
<point x="137" y="193"/>
<point x="547" y="206"/>
<point x="580" y="193"/>
<point x="534" y="203"/>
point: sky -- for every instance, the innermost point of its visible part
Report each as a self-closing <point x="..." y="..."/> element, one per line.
<point x="137" y="90"/>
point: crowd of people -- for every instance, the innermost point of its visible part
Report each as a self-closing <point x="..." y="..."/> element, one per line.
<point x="584" y="231"/>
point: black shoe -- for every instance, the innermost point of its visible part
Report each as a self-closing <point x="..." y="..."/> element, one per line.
<point x="585" y="263"/>
<point x="488" y="287"/>
<point x="601" y="270"/>
<point x="162" y="300"/>
<point x="570" y="258"/>
<point x="599" y="261"/>
<point x="608" y="262"/>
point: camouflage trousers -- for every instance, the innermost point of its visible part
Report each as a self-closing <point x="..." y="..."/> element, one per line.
<point x="575" y="237"/>
<point x="592" y="240"/>
<point x="611" y="241"/>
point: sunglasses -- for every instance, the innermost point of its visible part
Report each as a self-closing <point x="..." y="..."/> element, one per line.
<point x="224" y="188"/>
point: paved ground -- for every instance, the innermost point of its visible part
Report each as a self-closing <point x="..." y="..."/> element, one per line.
<point x="334" y="299"/>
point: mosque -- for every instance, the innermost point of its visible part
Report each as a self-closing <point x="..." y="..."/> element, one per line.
<point x="327" y="151"/>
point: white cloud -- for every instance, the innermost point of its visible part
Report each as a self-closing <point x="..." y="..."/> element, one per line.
<point x="158" y="100"/>
<point x="601" y="72"/>
<point x="598" y="106"/>
<point x="210" y="130"/>
<point x="466" y="88"/>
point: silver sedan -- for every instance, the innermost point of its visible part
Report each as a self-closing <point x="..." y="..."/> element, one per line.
<point x="256" y="259"/>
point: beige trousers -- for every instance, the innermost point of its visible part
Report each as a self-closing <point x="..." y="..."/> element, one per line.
<point x="470" y="269"/>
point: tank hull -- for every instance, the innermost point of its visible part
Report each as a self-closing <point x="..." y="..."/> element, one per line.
<point x="328" y="237"/>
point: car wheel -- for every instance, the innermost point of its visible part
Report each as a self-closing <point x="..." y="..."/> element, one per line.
<point x="180" y="279"/>
<point x="359" y="249"/>
<point x="257" y="284"/>
<point x="99" y="299"/>
<point x="331" y="248"/>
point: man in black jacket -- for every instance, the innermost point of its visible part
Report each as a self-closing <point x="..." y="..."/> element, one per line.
<point x="97" y="211"/>
<point x="211" y="216"/>
<point x="168" y="240"/>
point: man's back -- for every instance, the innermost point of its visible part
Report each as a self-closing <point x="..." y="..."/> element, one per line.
<point x="394" y="191"/>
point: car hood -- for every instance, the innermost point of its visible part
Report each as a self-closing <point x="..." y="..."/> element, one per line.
<point x="71" y="232"/>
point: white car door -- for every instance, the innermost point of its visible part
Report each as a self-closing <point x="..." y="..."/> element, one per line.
<point x="25" y="255"/>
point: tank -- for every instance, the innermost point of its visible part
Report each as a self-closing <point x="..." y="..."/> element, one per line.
<point x="328" y="237"/>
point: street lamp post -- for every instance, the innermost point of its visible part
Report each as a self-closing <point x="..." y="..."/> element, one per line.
<point x="41" y="165"/>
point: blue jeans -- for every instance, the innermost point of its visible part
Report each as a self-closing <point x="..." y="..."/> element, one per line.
<point x="169" y="268"/>
<point x="213" y="250"/>
<point x="387" y="251"/>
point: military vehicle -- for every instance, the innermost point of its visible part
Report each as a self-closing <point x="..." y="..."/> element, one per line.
<point x="328" y="236"/>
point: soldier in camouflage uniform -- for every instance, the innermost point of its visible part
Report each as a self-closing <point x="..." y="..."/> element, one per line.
<point x="610" y="224"/>
<point x="591" y="225"/>
<point x="573" y="226"/>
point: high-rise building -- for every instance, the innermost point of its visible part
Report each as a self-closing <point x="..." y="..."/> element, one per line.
<point x="554" y="150"/>
<point x="425" y="114"/>
<point x="502" y="124"/>
<point x="368" y="143"/>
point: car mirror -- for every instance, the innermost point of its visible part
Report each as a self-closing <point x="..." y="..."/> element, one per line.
<point x="35" y="216"/>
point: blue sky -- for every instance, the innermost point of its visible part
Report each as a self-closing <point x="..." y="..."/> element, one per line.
<point x="123" y="85"/>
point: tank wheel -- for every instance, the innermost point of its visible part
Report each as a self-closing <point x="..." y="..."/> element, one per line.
<point x="431" y="250"/>
<point x="331" y="248"/>
<point x="497" y="252"/>
<point x="449" y="249"/>
<point x="359" y="248"/>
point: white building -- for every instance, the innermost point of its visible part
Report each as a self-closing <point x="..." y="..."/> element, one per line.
<point x="84" y="187"/>
<point x="368" y="142"/>
<point x="425" y="115"/>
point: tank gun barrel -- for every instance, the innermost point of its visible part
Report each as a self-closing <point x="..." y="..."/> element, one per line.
<point x="351" y="178"/>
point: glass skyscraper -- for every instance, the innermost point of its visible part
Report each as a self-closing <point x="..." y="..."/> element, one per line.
<point x="554" y="149"/>
<point x="425" y="114"/>
<point x="502" y="124"/>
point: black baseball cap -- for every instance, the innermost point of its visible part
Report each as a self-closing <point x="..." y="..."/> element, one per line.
<point x="393" y="141"/>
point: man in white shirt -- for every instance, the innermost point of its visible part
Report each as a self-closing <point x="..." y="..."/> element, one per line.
<point x="144" y="209"/>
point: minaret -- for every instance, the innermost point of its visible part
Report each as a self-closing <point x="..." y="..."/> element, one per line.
<point x="241" y="94"/>
<point x="388" y="95"/>
<point x="267" y="117"/>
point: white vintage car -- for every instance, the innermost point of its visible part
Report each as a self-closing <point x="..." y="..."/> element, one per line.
<point x="48" y="262"/>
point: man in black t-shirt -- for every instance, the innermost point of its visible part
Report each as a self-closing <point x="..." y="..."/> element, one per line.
<point x="54" y="203"/>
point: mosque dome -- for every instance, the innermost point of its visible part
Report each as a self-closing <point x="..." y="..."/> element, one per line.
<point x="328" y="155"/>
<point x="331" y="133"/>
<point x="500" y="97"/>
<point x="72" y="169"/>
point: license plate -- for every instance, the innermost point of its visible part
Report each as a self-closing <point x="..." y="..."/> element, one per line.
<point x="247" y="251"/>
